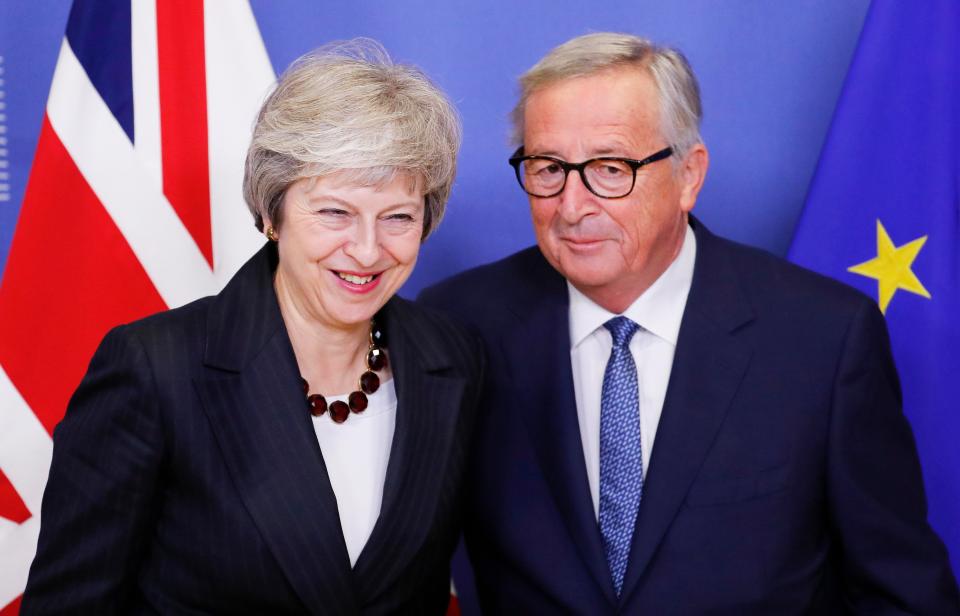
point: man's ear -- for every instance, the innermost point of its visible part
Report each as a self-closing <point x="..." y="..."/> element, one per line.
<point x="692" y="172"/>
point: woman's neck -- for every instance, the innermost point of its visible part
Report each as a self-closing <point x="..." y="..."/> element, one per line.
<point x="330" y="358"/>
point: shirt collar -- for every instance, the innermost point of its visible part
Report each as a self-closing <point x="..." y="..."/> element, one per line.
<point x="658" y="310"/>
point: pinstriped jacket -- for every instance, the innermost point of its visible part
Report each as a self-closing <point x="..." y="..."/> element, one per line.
<point x="187" y="477"/>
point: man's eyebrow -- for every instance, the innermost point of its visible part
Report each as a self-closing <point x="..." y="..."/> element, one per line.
<point x="530" y="152"/>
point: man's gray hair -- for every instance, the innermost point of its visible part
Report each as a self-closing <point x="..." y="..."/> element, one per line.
<point x="348" y="108"/>
<point x="679" y="94"/>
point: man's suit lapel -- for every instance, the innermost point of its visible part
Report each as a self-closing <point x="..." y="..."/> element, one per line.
<point x="708" y="366"/>
<point x="428" y="409"/>
<point x="538" y="354"/>
<point x="255" y="403"/>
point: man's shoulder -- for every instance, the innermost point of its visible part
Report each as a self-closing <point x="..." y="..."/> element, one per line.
<point x="771" y="283"/>
<point x="516" y="267"/>
<point x="494" y="285"/>
<point x="422" y="320"/>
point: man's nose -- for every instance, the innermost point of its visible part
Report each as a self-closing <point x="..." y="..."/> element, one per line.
<point x="576" y="200"/>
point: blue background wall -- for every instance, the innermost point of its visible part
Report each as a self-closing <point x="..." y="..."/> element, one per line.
<point x="770" y="74"/>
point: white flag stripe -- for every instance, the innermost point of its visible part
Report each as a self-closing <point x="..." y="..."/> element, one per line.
<point x="105" y="157"/>
<point x="146" y="89"/>
<point x="18" y="548"/>
<point x="25" y="446"/>
<point x="25" y="452"/>
<point x="239" y="77"/>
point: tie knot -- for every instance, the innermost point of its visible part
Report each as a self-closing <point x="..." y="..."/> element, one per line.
<point x="622" y="329"/>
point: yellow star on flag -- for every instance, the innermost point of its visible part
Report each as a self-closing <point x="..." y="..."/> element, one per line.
<point x="891" y="267"/>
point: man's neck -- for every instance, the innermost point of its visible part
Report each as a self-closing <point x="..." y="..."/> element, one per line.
<point x="618" y="297"/>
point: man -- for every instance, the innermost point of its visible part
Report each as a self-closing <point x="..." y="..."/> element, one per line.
<point x="675" y="423"/>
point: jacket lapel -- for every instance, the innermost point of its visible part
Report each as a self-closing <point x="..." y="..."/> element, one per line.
<point x="538" y="354"/>
<point x="708" y="366"/>
<point x="254" y="400"/>
<point x="428" y="410"/>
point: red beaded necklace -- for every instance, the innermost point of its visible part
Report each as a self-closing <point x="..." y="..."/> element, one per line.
<point x="368" y="383"/>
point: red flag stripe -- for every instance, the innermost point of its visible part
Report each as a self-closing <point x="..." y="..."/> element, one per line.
<point x="12" y="609"/>
<point x="183" y="116"/>
<point x="127" y="190"/>
<point x="70" y="277"/>
<point x="12" y="506"/>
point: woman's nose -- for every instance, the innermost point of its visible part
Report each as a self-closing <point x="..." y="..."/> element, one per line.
<point x="364" y="247"/>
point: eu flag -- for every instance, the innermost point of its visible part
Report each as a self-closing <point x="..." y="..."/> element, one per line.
<point x="883" y="215"/>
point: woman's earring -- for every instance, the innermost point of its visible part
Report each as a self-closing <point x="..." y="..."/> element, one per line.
<point x="271" y="234"/>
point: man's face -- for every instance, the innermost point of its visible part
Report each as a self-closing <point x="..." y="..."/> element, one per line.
<point x="610" y="249"/>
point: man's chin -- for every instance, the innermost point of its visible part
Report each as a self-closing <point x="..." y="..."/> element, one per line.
<point x="585" y="277"/>
<point x="584" y="264"/>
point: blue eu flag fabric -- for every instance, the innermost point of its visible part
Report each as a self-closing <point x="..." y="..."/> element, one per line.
<point x="883" y="215"/>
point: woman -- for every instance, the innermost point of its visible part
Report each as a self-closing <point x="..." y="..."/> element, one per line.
<point x="228" y="456"/>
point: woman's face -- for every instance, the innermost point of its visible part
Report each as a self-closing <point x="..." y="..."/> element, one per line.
<point x="346" y="249"/>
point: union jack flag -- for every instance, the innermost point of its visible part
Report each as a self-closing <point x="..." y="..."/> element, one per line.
<point x="133" y="206"/>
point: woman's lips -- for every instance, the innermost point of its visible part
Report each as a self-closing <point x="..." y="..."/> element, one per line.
<point x="358" y="282"/>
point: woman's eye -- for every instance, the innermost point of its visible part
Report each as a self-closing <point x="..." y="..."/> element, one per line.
<point x="400" y="217"/>
<point x="332" y="212"/>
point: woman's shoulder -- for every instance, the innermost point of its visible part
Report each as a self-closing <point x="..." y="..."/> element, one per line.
<point x="245" y="299"/>
<point x="176" y="334"/>
<point x="178" y="322"/>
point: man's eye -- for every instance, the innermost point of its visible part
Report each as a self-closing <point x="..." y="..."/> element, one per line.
<point x="546" y="169"/>
<point x="611" y="170"/>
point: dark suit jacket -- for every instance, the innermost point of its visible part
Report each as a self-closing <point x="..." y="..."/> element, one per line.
<point x="783" y="480"/>
<point x="187" y="477"/>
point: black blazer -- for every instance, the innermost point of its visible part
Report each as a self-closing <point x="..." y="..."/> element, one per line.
<point x="187" y="477"/>
<point x="783" y="479"/>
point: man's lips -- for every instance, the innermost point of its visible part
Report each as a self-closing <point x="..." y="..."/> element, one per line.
<point x="582" y="243"/>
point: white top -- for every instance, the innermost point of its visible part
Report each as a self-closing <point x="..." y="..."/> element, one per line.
<point x="356" y="453"/>
<point x="658" y="311"/>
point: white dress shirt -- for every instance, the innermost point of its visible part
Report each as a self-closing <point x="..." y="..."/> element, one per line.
<point x="356" y="453"/>
<point x="658" y="312"/>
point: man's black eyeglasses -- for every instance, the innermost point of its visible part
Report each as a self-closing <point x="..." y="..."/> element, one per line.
<point x="609" y="177"/>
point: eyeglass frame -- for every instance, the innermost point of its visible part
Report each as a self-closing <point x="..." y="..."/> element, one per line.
<point x="634" y="164"/>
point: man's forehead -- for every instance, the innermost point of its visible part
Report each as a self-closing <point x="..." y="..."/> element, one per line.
<point x="617" y="141"/>
<point x="604" y="113"/>
<point x="608" y="80"/>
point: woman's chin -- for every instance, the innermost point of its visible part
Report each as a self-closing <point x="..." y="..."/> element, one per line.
<point x="354" y="313"/>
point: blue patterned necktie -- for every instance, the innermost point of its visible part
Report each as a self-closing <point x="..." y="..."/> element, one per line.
<point x="621" y="461"/>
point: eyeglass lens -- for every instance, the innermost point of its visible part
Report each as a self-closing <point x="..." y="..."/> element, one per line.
<point x="607" y="178"/>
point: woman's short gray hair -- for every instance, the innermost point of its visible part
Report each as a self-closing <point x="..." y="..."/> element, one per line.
<point x="680" y="109"/>
<point x="347" y="107"/>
